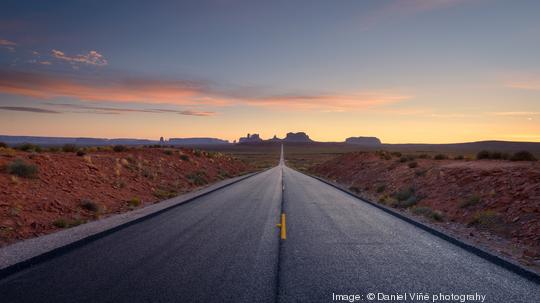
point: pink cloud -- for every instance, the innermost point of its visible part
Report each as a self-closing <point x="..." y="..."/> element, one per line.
<point x="181" y="92"/>
<point x="91" y="58"/>
<point x="4" y="42"/>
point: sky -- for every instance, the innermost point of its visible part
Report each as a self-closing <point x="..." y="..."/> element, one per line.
<point x="406" y="71"/>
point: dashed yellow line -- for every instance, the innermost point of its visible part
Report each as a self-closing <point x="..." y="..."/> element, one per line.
<point x="283" y="226"/>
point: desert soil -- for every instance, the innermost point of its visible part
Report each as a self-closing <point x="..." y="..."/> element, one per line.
<point x="68" y="189"/>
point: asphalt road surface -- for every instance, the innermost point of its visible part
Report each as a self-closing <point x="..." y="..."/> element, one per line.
<point x="225" y="247"/>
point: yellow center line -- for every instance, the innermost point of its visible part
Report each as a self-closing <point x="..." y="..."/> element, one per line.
<point x="283" y="226"/>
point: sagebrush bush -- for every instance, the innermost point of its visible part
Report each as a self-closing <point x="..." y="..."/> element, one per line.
<point x="28" y="147"/>
<point x="184" y="157"/>
<point x="413" y="164"/>
<point x="471" y="201"/>
<point x="440" y="157"/>
<point x="523" y="156"/>
<point x="22" y="169"/>
<point x="486" y="219"/>
<point x="134" y="202"/>
<point x="69" y="148"/>
<point x="198" y="178"/>
<point x="381" y="188"/>
<point x="428" y="213"/>
<point x="459" y="157"/>
<point x="120" y="148"/>
<point x="81" y="153"/>
<point x="4" y="145"/>
<point x="90" y="205"/>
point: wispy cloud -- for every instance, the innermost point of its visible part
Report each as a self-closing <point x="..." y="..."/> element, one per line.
<point x="514" y="114"/>
<point x="4" y="42"/>
<point x="182" y="92"/>
<point x="7" y="44"/>
<point x="331" y="102"/>
<point x="29" y="109"/>
<point x="527" y="85"/>
<point x="91" y="58"/>
<point x="119" y="110"/>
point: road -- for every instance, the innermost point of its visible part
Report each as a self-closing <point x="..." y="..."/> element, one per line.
<point x="225" y="247"/>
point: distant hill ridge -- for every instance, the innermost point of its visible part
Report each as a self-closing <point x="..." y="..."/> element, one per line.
<point x="296" y="138"/>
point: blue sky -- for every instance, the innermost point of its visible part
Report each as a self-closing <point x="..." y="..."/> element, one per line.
<point x="403" y="70"/>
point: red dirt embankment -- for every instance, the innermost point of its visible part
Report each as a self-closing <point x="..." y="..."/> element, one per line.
<point x="492" y="202"/>
<point x="68" y="189"/>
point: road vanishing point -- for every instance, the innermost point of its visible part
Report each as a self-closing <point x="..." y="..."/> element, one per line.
<point x="226" y="247"/>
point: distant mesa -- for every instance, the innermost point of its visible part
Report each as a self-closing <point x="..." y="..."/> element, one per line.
<point x="55" y="141"/>
<point x="297" y="137"/>
<point x="363" y="141"/>
<point x="196" y="141"/>
<point x="290" y="137"/>
<point x="275" y="139"/>
<point x="255" y="138"/>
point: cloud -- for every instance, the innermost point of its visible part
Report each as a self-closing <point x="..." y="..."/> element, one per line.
<point x="4" y="42"/>
<point x="196" y="113"/>
<point x="514" y="114"/>
<point x="117" y="110"/>
<point x="91" y="58"/>
<point x="526" y="85"/>
<point x="28" y="109"/>
<point x="9" y="45"/>
<point x="330" y="102"/>
<point x="181" y="92"/>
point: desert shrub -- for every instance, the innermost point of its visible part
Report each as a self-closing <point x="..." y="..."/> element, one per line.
<point x="405" y="198"/>
<point x="134" y="202"/>
<point x="81" y="153"/>
<point x="354" y="189"/>
<point x="4" y="145"/>
<point x="22" y="169"/>
<point x="65" y="223"/>
<point x="168" y="152"/>
<point x="471" y="201"/>
<point x="484" y="154"/>
<point x="459" y="157"/>
<point x="396" y="154"/>
<point x="381" y="188"/>
<point x="53" y="149"/>
<point x="7" y="151"/>
<point x="224" y="174"/>
<point x="184" y="157"/>
<point x="28" y="147"/>
<point x="69" y="148"/>
<point x="523" y="156"/>
<point x="424" y="156"/>
<point x="495" y="155"/>
<point x="147" y="173"/>
<point x="420" y="172"/>
<point x="485" y="218"/>
<point x="413" y="164"/>
<point x="198" y="178"/>
<point x="162" y="193"/>
<point x="404" y="194"/>
<point x="440" y="157"/>
<point x="120" y="148"/>
<point x="428" y="213"/>
<point x="197" y="153"/>
<point x="90" y="205"/>
<point x="403" y="159"/>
